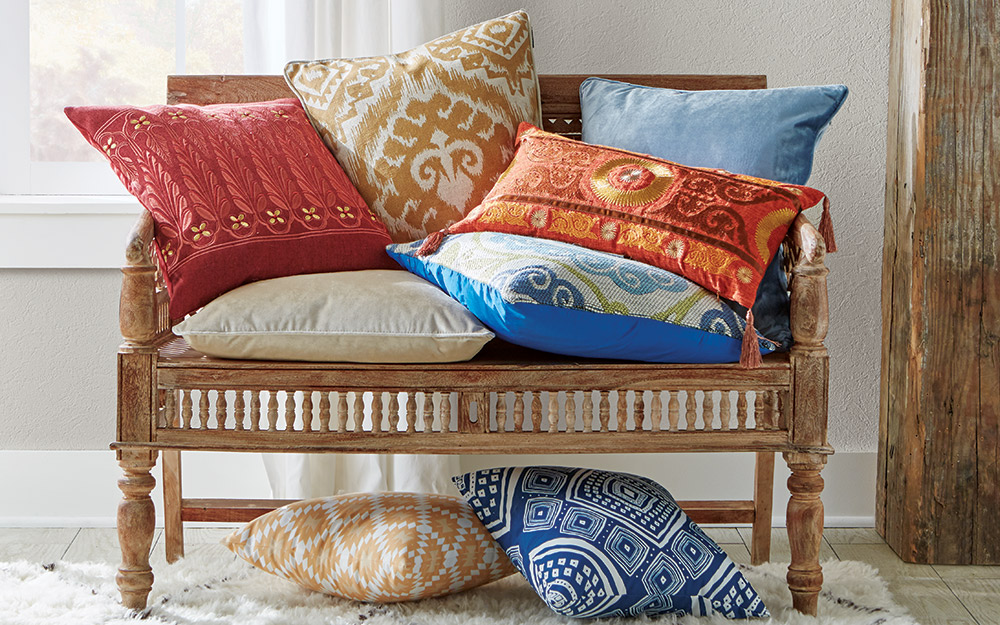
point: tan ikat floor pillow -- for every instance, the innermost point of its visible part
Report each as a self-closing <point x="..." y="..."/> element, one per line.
<point x="424" y="134"/>
<point x="377" y="547"/>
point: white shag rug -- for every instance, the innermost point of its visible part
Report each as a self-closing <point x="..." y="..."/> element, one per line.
<point x="207" y="590"/>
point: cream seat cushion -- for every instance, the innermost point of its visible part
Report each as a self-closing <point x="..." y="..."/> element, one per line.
<point x="373" y="316"/>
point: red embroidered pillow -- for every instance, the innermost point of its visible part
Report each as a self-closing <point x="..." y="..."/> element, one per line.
<point x="238" y="193"/>
<point x="715" y="228"/>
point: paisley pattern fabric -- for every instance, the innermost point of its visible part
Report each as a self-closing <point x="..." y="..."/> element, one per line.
<point x="600" y="544"/>
<point x="424" y="134"/>
<point x="378" y="547"/>
<point x="716" y="228"/>
<point x="238" y="193"/>
<point x="568" y="299"/>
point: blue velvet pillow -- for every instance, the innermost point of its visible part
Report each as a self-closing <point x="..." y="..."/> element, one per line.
<point x="566" y="299"/>
<point x="598" y="544"/>
<point x="767" y="133"/>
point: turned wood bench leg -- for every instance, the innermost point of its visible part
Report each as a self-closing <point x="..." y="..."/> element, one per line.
<point x="805" y="529"/>
<point x="136" y="521"/>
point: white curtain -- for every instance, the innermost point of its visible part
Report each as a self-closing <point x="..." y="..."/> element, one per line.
<point x="275" y="32"/>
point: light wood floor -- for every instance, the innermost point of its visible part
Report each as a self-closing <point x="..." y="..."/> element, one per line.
<point x="935" y="595"/>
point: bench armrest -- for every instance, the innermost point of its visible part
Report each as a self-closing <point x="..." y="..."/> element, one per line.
<point x="143" y="311"/>
<point x="810" y="315"/>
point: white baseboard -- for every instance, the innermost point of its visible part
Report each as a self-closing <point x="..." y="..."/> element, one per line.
<point x="79" y="488"/>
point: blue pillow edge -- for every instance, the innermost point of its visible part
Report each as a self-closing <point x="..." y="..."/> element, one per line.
<point x="692" y="343"/>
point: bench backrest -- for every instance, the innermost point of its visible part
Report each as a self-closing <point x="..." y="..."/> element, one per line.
<point x="560" y="92"/>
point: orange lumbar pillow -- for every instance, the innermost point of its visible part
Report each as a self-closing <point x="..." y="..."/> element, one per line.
<point x="378" y="547"/>
<point x="718" y="229"/>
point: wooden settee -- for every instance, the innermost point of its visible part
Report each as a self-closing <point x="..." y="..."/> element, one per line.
<point x="171" y="398"/>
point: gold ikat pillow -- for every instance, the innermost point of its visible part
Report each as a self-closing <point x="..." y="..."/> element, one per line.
<point x="376" y="547"/>
<point x="425" y="134"/>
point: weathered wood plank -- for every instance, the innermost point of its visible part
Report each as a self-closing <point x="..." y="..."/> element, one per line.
<point x="560" y="92"/>
<point x="459" y="443"/>
<point x="938" y="463"/>
<point x="244" y="510"/>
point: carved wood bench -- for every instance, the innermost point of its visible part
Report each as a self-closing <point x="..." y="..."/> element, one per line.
<point x="506" y="400"/>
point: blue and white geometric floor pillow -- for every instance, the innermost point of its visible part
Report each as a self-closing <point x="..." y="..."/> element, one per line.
<point x="599" y="544"/>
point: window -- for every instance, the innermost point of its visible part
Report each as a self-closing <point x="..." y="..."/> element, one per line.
<point x="61" y="52"/>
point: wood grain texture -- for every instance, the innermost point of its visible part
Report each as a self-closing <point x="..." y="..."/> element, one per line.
<point x="763" y="501"/>
<point x="172" y="511"/>
<point x="939" y="477"/>
<point x="245" y="510"/>
<point x="542" y="442"/>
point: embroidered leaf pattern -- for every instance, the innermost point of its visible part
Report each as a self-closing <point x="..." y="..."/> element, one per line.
<point x="214" y="176"/>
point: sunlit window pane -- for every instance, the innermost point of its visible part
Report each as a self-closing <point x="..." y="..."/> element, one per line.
<point x="118" y="52"/>
<point x="214" y="36"/>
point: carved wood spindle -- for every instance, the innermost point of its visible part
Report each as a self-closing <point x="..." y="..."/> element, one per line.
<point x="290" y="411"/>
<point x="767" y="420"/>
<point x="783" y="406"/>
<point x="639" y="410"/>
<point x="571" y="411"/>
<point x="187" y="413"/>
<point x="427" y="414"/>
<point x="536" y="411"/>
<point x="324" y="411"/>
<point x="240" y="411"/>
<point x="656" y="411"/>
<point x="255" y="411"/>
<point x="221" y="409"/>
<point x="411" y="412"/>
<point x="604" y="410"/>
<point x="553" y="411"/>
<point x="203" y="409"/>
<point x="307" y="410"/>
<point x="445" y="412"/>
<point x="377" y="412"/>
<point x="741" y="410"/>
<point x="342" y="412"/>
<point x="394" y="411"/>
<point x="272" y="411"/>
<point x="691" y="409"/>
<point x="673" y="409"/>
<point x="499" y="414"/>
<point x="359" y="411"/>
<point x="170" y="409"/>
<point x="708" y="409"/>
<point x="518" y="411"/>
<point x="622" y="416"/>
<point x="725" y="411"/>
<point x="758" y="410"/>
<point x="588" y="411"/>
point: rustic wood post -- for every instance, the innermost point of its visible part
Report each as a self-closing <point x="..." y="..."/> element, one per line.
<point x="137" y="404"/>
<point x="939" y="425"/>
<point x="810" y="370"/>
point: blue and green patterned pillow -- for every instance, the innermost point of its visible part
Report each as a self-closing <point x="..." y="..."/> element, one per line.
<point x="565" y="299"/>
<point x="599" y="544"/>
